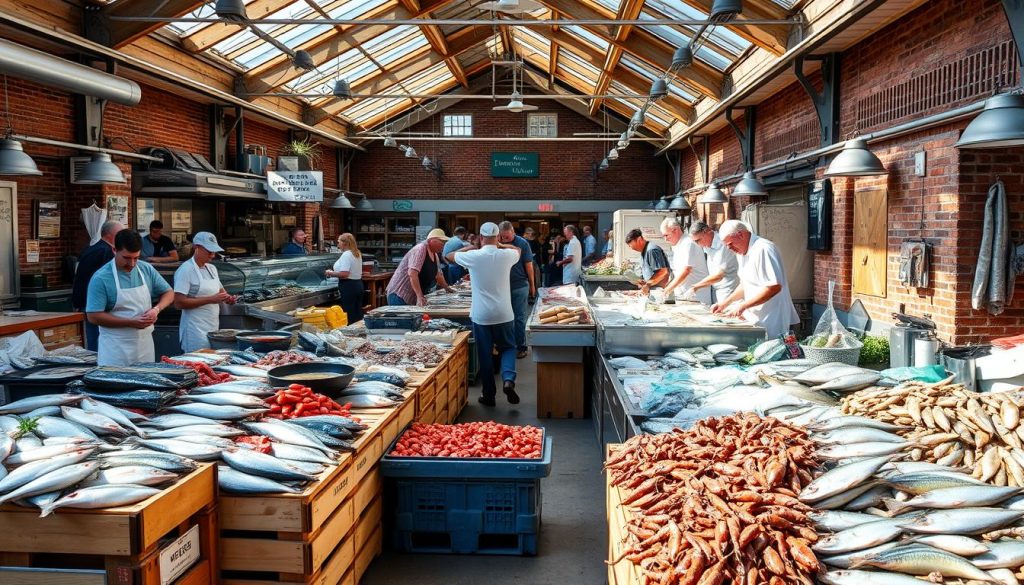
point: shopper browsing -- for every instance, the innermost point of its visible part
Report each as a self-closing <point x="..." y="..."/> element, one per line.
<point x="522" y="282"/>
<point x="348" y="269"/>
<point x="198" y="293"/>
<point x="456" y="242"/>
<point x="589" y="246"/>
<point x="491" y="309"/>
<point x="572" y="256"/>
<point x="418" y="272"/>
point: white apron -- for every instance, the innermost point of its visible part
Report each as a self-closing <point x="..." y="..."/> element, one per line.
<point x="121" y="346"/>
<point x="762" y="266"/>
<point x="196" y="323"/>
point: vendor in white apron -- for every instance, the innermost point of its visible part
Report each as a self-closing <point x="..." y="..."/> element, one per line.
<point x="120" y="302"/>
<point x="762" y="297"/>
<point x="198" y="293"/>
<point x="689" y="266"/>
<point x="723" y="267"/>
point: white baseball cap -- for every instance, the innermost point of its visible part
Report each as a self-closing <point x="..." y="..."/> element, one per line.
<point x="489" y="230"/>
<point x="207" y="241"/>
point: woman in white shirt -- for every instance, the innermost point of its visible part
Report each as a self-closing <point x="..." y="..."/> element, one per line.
<point x="349" y="271"/>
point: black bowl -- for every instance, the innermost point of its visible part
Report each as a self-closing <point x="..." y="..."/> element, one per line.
<point x="326" y="386"/>
<point x="264" y="341"/>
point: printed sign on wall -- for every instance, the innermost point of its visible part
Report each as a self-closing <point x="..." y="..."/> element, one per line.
<point x="295" y="186"/>
<point x="515" y="164"/>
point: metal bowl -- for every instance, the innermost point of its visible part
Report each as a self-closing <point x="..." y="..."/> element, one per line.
<point x="264" y="341"/>
<point x="326" y="386"/>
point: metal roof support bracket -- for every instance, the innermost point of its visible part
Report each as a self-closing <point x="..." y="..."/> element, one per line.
<point x="745" y="138"/>
<point x="89" y="123"/>
<point x="704" y="158"/>
<point x="826" y="102"/>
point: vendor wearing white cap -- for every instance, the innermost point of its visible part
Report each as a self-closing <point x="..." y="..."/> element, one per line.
<point x="419" y="271"/>
<point x="198" y="293"/>
<point x="762" y="297"/>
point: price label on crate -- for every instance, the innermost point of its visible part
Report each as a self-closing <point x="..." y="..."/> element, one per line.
<point x="177" y="557"/>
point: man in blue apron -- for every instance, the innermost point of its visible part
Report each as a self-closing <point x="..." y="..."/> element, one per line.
<point x="120" y="301"/>
<point x="199" y="293"/>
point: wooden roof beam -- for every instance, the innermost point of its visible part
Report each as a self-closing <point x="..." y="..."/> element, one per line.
<point x="419" y="115"/>
<point x="770" y="37"/>
<point x="212" y="34"/>
<point x="120" y="33"/>
<point x="628" y="10"/>
<point x="437" y="42"/>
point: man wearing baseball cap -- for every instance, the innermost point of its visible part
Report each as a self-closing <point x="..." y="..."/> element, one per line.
<point x="418" y="271"/>
<point x="198" y="293"/>
<point x="491" y="308"/>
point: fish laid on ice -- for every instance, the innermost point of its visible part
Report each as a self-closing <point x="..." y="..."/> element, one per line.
<point x="825" y="372"/>
<point x="849" y="382"/>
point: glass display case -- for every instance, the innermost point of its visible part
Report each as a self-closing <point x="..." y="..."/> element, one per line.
<point x="248" y="275"/>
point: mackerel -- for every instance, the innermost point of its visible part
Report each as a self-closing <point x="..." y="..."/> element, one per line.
<point x="916" y="559"/>
<point x="210" y="430"/>
<point x="344" y="421"/>
<point x="182" y="448"/>
<point x="251" y="387"/>
<point x="964" y="546"/>
<point x="31" y="471"/>
<point x="860" y="537"/>
<point x="867" y="578"/>
<point x="51" y="426"/>
<point x="216" y="411"/>
<point x="234" y="481"/>
<point x="841" y="479"/>
<point x="872" y="449"/>
<point x="93" y="421"/>
<point x="297" y="453"/>
<point x="963" y="521"/>
<point x="922" y="483"/>
<point x="1001" y="554"/>
<point x="869" y="499"/>
<point x="836" y="520"/>
<point x="848" y="435"/>
<point x="264" y="465"/>
<point x="287" y="434"/>
<point x="955" y="497"/>
<point x="42" y="411"/>
<point x="172" y="421"/>
<point x="102" y="496"/>
<point x="112" y="412"/>
<point x="132" y="474"/>
<point x="166" y="461"/>
<point x="844" y="560"/>
<point x="41" y="453"/>
<point x="33" y="402"/>
<point x="58" y="479"/>
<point x="218" y="442"/>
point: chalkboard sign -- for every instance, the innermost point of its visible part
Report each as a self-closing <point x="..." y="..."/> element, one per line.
<point x="819" y="215"/>
<point x="515" y="164"/>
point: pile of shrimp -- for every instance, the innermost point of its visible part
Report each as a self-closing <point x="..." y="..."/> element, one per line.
<point x="718" y="502"/>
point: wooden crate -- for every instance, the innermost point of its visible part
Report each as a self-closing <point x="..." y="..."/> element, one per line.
<point x="560" y="390"/>
<point x="113" y="546"/>
<point x="623" y="572"/>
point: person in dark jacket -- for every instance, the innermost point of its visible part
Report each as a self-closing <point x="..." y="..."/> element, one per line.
<point x="296" y="243"/>
<point x="556" y="255"/>
<point x="89" y="262"/>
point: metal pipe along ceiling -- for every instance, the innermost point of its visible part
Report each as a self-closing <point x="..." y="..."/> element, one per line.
<point x="25" y="63"/>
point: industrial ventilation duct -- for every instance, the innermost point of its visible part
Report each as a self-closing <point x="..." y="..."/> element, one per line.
<point x="25" y="63"/>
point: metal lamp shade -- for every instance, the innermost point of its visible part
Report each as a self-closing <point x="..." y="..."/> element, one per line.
<point x="713" y="195"/>
<point x="604" y="164"/>
<point x="659" y="88"/>
<point x="999" y="125"/>
<point x="389" y="142"/>
<point x="856" y="160"/>
<point x="637" y="119"/>
<point x="342" y="89"/>
<point x="410" y="152"/>
<point x="662" y="205"/>
<point x="364" y="205"/>
<point x="341" y="202"/>
<point x="303" y="60"/>
<point x="233" y="10"/>
<point x="613" y="154"/>
<point x="623" y="140"/>
<point x="101" y="170"/>
<point x="750" y="186"/>
<point x="14" y="161"/>
<point x="683" y="57"/>
<point x="679" y="203"/>
<point x="725" y="9"/>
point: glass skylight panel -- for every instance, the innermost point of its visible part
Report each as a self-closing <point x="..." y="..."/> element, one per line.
<point x="720" y="35"/>
<point x="610" y="4"/>
<point x="579" y="62"/>
<point x="587" y="36"/>
<point x="354" y="8"/>
<point x="403" y="46"/>
<point x="533" y="38"/>
<point x="204" y="11"/>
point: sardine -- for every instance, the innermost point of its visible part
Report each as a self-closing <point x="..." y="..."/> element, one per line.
<point x="854" y="421"/>
<point x="917" y="559"/>
<point x="841" y="479"/>
<point x="303" y="466"/>
<point x="849" y="382"/>
<point x="859" y="537"/>
<point x="1001" y="554"/>
<point x="234" y="481"/>
<point x="210" y="430"/>
<point x="217" y="412"/>
<point x="924" y="482"/>
<point x="28" y="442"/>
<point x="31" y="471"/>
<point x="826" y="372"/>
<point x="33" y="402"/>
<point x="963" y="521"/>
<point x="331" y="418"/>
<point x="43" y="499"/>
<point x="370" y="391"/>
<point x="331" y="429"/>
<point x="166" y="461"/>
<point x="872" y="449"/>
<point x="263" y="465"/>
<point x="173" y="421"/>
<point x="112" y="412"/>
<point x="964" y="546"/>
<point x="297" y="453"/>
<point x="133" y="474"/>
<point x="368" y="401"/>
<point x="869" y="499"/>
<point x="228" y="399"/>
<point x="836" y="520"/>
<point x="378" y="377"/>
<point x="58" y="479"/>
<point x="6" y="446"/>
<point x="844" y="560"/>
<point x="195" y="451"/>
<point x="955" y="497"/>
<point x="907" y="467"/>
<point x="218" y="442"/>
<point x="52" y="426"/>
<point x="93" y="421"/>
<point x="848" y="435"/>
<point x="285" y="433"/>
<point x="102" y="496"/>
<point x="9" y="423"/>
<point x="867" y="578"/>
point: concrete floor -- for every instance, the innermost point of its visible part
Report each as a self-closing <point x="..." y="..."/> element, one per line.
<point x="572" y="540"/>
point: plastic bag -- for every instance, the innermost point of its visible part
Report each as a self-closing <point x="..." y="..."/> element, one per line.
<point x="829" y="332"/>
<point x="666" y="399"/>
<point x="928" y="374"/>
<point x="627" y="361"/>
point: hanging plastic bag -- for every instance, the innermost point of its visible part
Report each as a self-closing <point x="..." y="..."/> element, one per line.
<point x="829" y="332"/>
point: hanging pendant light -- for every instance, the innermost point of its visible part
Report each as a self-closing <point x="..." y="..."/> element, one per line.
<point x="341" y="202"/>
<point x="231" y="10"/>
<point x="999" y="125"/>
<point x="637" y="120"/>
<point x="364" y="204"/>
<point x="604" y="165"/>
<point x="14" y="161"/>
<point x="661" y="205"/>
<point x="613" y="154"/>
<point x="623" y="140"/>
<point x="683" y="57"/>
<point x="427" y="162"/>
<point x="679" y="203"/>
<point x="713" y="195"/>
<point x="342" y="89"/>
<point x="750" y="186"/>
<point x="856" y="160"/>
<point x="410" y="152"/>
<point x="659" y="89"/>
<point x="722" y="10"/>
<point x="389" y="142"/>
<point x="101" y="170"/>
<point x="303" y="60"/>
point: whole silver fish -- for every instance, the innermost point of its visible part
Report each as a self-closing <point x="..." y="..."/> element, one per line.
<point x="264" y="465"/>
<point x="244" y="371"/>
<point x="964" y="546"/>
<point x="924" y="482"/>
<point x="43" y="411"/>
<point x="836" y="520"/>
<point x="43" y="499"/>
<point x="183" y="448"/>
<point x="58" y="479"/>
<point x="963" y="521"/>
<point x="173" y="421"/>
<point x="228" y="399"/>
<point x="298" y="453"/>
<point x="102" y="496"/>
<point x="907" y="467"/>
<point x="844" y="560"/>
<point x="133" y="474"/>
<point x="825" y="372"/>
<point x="27" y="443"/>
<point x="916" y="559"/>
<point x="842" y="498"/>
<point x="234" y="481"/>
<point x="849" y="382"/>
<point x="859" y="537"/>
<point x="368" y="391"/>
<point x="33" y="402"/>
<point x="32" y="471"/>
<point x="856" y="435"/>
<point x="52" y="426"/>
<point x="1001" y="554"/>
<point x="867" y="578"/>
<point x="1004" y="576"/>
<point x="872" y="449"/>
<point x="218" y="442"/>
<point x="112" y="412"/>
<point x="210" y="430"/>
<point x="854" y="421"/>
<point x="166" y="461"/>
<point x="6" y="446"/>
<point x="217" y="412"/>
<point x="304" y="466"/>
<point x="841" y="479"/>
<point x="93" y="421"/>
<point x="955" y="497"/>
<point x="869" y="499"/>
<point x="9" y="423"/>
<point x="41" y="453"/>
<point x="369" y="401"/>
<point x="290" y="434"/>
<point x="250" y="387"/>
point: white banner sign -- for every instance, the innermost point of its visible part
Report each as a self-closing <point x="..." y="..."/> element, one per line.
<point x="295" y="186"/>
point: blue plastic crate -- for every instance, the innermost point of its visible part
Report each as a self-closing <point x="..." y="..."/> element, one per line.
<point x="467" y="467"/>
<point x="467" y="517"/>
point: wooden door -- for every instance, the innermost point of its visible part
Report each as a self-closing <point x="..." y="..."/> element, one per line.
<point x="870" y="245"/>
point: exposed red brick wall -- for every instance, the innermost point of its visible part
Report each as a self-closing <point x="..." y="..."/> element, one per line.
<point x="565" y="167"/>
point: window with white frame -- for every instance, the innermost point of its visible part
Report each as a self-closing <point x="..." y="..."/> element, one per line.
<point x="542" y="125"/>
<point x="458" y="125"/>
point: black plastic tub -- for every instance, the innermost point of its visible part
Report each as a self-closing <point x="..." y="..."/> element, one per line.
<point x="306" y="374"/>
<point x="264" y="341"/>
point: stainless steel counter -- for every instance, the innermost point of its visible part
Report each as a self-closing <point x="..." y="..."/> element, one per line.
<point x="613" y="421"/>
<point x="273" y="314"/>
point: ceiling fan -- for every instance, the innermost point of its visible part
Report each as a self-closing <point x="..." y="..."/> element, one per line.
<point x="511" y="6"/>
<point x="516" y="103"/>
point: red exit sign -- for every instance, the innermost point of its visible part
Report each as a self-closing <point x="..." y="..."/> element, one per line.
<point x="545" y="207"/>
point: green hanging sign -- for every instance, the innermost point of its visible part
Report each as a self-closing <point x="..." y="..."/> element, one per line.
<point x="515" y="164"/>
